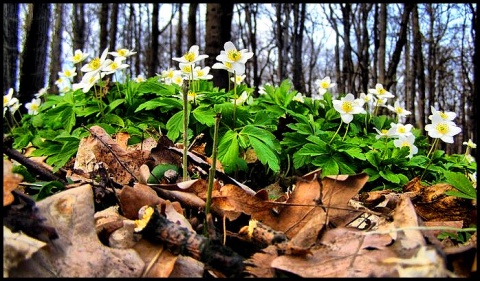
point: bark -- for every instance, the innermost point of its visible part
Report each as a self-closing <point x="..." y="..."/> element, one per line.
<point x="419" y="69"/>
<point x="153" y="53"/>
<point x="103" y="18"/>
<point x="34" y="56"/>
<point x="179" y="35"/>
<point x="297" y="68"/>
<point x="56" y="49"/>
<point x="10" y="43"/>
<point x="192" y="24"/>
<point x="218" y="28"/>
<point x="113" y="26"/>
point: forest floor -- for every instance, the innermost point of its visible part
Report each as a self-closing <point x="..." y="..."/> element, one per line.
<point x="108" y="222"/>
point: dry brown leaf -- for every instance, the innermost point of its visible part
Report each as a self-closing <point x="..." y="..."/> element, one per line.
<point x="343" y="252"/>
<point x="259" y="264"/>
<point x="159" y="262"/>
<point x="131" y="199"/>
<point x="10" y="182"/>
<point x="122" y="165"/>
<point x="77" y="252"/>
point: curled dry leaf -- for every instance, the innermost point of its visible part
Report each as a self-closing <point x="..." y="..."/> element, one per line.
<point x="10" y="182"/>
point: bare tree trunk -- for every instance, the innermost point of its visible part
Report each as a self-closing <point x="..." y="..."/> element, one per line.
<point x="34" y="55"/>
<point x="10" y="45"/>
<point x="476" y="75"/>
<point x="419" y="67"/>
<point x="363" y="46"/>
<point x="382" y="39"/>
<point x="179" y="35"/>
<point x="113" y="26"/>
<point x="282" y="38"/>
<point x="103" y="19"/>
<point x="78" y="32"/>
<point x="192" y="24"/>
<point x="153" y="52"/>
<point x="56" y="49"/>
<point x="251" y="11"/>
<point x="347" y="71"/>
<point x="218" y="28"/>
<point x="376" y="44"/>
<point x="297" y="42"/>
<point x="402" y="40"/>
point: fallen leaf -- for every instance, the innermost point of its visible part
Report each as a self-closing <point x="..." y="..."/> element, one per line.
<point x="77" y="252"/>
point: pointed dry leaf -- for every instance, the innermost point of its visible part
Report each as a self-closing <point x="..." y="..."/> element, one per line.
<point x="10" y="182"/>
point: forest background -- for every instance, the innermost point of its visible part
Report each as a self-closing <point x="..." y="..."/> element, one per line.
<point x="426" y="54"/>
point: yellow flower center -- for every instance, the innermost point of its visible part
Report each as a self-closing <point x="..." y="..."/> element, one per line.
<point x="200" y="73"/>
<point x="67" y="73"/>
<point x="234" y="55"/>
<point x="77" y="57"/>
<point x="405" y="143"/>
<point x="95" y="64"/>
<point x="384" y="131"/>
<point x="401" y="130"/>
<point x="114" y="65"/>
<point x="189" y="56"/>
<point x="324" y="84"/>
<point x="443" y="115"/>
<point x="381" y="91"/>
<point x="122" y="52"/>
<point x="442" y="128"/>
<point x="187" y="69"/>
<point x="347" y="106"/>
<point x="228" y="65"/>
<point x="5" y="100"/>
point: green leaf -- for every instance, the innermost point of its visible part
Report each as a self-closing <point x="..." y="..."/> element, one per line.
<point x="175" y="126"/>
<point x="47" y="189"/>
<point x="390" y="176"/>
<point x="205" y="115"/>
<point x="462" y="183"/>
<point x="373" y="157"/>
<point x="229" y="151"/>
<point x="165" y="103"/>
<point x="265" y="154"/>
<point x="114" y="104"/>
<point x="327" y="163"/>
<point x="113" y="119"/>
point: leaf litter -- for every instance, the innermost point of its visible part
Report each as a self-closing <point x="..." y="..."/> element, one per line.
<point x="320" y="227"/>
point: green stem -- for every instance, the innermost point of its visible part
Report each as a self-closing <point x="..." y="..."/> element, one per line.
<point x="185" y="133"/>
<point x="213" y="168"/>
<point x="346" y="130"/>
<point x="341" y="122"/>
<point x="234" y="101"/>
<point x="434" y="145"/>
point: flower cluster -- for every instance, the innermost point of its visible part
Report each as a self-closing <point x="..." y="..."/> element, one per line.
<point x="10" y="103"/>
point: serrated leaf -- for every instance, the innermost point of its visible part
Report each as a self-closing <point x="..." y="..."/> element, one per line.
<point x="168" y="103"/>
<point x="175" y="126"/>
<point x="229" y="151"/>
<point x="462" y="183"/>
<point x="204" y="115"/>
<point x="390" y="176"/>
<point x="265" y="154"/>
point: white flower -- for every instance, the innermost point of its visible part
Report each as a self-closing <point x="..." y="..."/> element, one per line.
<point x="241" y="99"/>
<point x="398" y="109"/>
<point x="68" y="73"/>
<point x="237" y="58"/>
<point x="400" y="129"/>
<point x="115" y="66"/>
<point x="384" y="133"/>
<point x="8" y="99"/>
<point x="238" y="79"/>
<point x="41" y="92"/>
<point x="441" y="115"/>
<point x="33" y="106"/>
<point x="97" y="64"/>
<point x="299" y="97"/>
<point x="191" y="56"/>
<point x="470" y="144"/>
<point x="187" y="68"/>
<point x="406" y="140"/>
<point x="444" y="130"/>
<point x="177" y="79"/>
<point x="261" y="89"/>
<point x="202" y="73"/>
<point x="140" y="79"/>
<point x="224" y="65"/>
<point x="78" y="57"/>
<point x="88" y="80"/>
<point x="323" y="85"/>
<point x="381" y="92"/>
<point x="348" y="106"/>
<point x="122" y="53"/>
<point x="15" y="105"/>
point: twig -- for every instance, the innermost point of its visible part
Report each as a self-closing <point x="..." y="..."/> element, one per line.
<point x="29" y="164"/>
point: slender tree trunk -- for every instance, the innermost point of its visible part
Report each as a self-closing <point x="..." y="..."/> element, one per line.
<point x="113" y="26"/>
<point x="103" y="18"/>
<point x="56" y="48"/>
<point x="192" y="24"/>
<point x="218" y="28"/>
<point x="347" y="72"/>
<point x="419" y="70"/>
<point x="382" y="43"/>
<point x="78" y="32"/>
<point x="34" y="55"/>
<point x="152" y="62"/>
<point x="10" y="45"/>
<point x="179" y="35"/>
<point x="476" y="74"/>
<point x="297" y="40"/>
<point x="402" y="40"/>
<point x="251" y="11"/>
